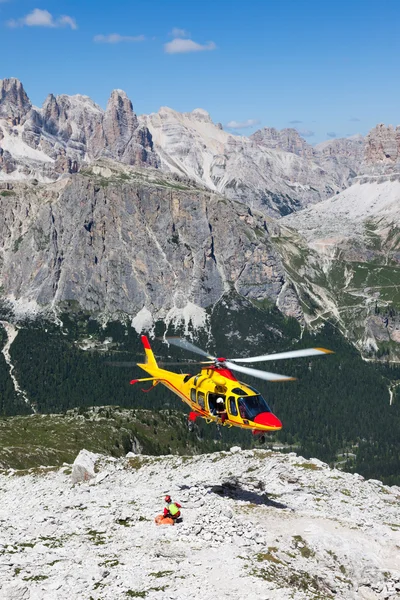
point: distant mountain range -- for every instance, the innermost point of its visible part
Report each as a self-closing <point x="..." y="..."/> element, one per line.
<point x="160" y="216"/>
<point x="275" y="171"/>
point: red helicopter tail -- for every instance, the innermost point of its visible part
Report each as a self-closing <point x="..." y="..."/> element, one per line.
<point x="149" y="355"/>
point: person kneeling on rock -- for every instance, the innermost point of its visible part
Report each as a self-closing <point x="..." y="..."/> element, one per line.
<point x="171" y="513"/>
<point x="172" y="509"/>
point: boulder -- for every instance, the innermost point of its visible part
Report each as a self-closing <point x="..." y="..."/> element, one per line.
<point x="15" y="592"/>
<point x="83" y="468"/>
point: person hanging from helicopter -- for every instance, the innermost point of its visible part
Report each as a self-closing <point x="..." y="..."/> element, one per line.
<point x="220" y="409"/>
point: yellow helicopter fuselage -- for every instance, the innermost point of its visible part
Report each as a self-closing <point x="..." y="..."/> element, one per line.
<point x="244" y="406"/>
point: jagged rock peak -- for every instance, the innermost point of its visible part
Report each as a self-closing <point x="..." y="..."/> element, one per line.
<point x="200" y="115"/>
<point x="14" y="102"/>
<point x="351" y="148"/>
<point x="383" y="144"/>
<point x="119" y="98"/>
<point x="80" y="100"/>
<point x="119" y="119"/>
<point x="118" y="92"/>
<point x="287" y="139"/>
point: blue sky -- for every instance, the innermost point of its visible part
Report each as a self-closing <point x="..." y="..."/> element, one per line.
<point x="328" y="67"/>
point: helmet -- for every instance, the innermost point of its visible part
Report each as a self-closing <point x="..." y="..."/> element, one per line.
<point x="219" y="400"/>
<point x="167" y="498"/>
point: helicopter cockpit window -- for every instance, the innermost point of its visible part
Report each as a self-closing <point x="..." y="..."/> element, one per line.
<point x="200" y="399"/>
<point x="251" y="406"/>
<point x="232" y="406"/>
<point x="239" y="392"/>
<point x="193" y="394"/>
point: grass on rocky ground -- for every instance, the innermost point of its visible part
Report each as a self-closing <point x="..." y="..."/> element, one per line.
<point x="36" y="440"/>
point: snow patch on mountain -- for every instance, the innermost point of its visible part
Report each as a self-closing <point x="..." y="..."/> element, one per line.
<point x="18" y="148"/>
<point x="342" y="216"/>
<point x="143" y="321"/>
<point x="190" y="316"/>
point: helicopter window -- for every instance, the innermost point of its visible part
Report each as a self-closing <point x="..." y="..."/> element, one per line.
<point x="251" y="406"/>
<point x="239" y="392"/>
<point x="200" y="399"/>
<point x="193" y="395"/>
<point x="196" y="379"/>
<point x="232" y="406"/>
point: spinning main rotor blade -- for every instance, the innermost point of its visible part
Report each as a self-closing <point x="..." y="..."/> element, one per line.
<point x="281" y="355"/>
<point x="257" y="373"/>
<point x="185" y="345"/>
<point x="160" y="364"/>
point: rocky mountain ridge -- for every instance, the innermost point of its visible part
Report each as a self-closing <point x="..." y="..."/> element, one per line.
<point x="134" y="245"/>
<point x="68" y="130"/>
<point x="356" y="237"/>
<point x="181" y="186"/>
<point x="276" y="172"/>
<point x="255" y="523"/>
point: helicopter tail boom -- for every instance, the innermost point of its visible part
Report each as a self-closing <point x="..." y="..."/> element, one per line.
<point x="150" y="358"/>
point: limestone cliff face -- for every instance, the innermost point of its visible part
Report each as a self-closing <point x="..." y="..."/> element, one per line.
<point x="287" y="139"/>
<point x="345" y="153"/>
<point x="355" y="237"/>
<point x="67" y="131"/>
<point x="270" y="176"/>
<point x="118" y="240"/>
<point x="383" y="146"/>
<point x="14" y="103"/>
<point x="275" y="172"/>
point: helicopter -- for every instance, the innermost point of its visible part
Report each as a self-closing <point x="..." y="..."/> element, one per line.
<point x="215" y="394"/>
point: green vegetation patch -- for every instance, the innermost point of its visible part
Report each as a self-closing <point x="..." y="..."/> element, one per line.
<point x="309" y="466"/>
<point x="301" y="545"/>
<point x="262" y="556"/>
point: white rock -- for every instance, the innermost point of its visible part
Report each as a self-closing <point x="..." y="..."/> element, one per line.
<point x="235" y="449"/>
<point x="83" y="468"/>
<point x="15" y="592"/>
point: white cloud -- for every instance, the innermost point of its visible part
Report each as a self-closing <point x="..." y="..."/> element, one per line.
<point x="180" y="46"/>
<point x="242" y="124"/>
<point x="179" y="33"/>
<point x="42" y="18"/>
<point x="116" y="38"/>
<point x="66" y="21"/>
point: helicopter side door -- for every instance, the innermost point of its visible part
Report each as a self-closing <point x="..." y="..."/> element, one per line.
<point x="232" y="408"/>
